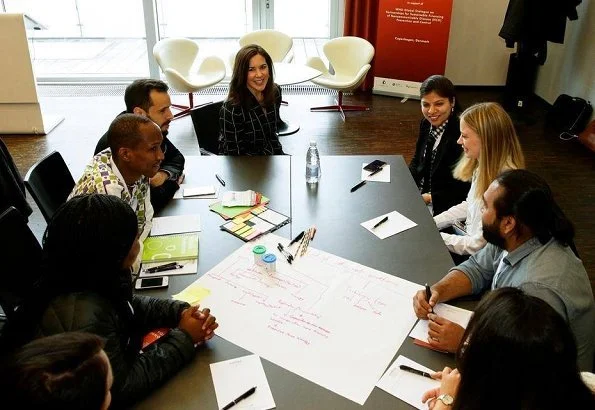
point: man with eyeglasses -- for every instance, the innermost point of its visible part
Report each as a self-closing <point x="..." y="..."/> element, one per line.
<point x="149" y="98"/>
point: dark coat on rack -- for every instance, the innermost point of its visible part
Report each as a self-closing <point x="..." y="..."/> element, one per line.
<point x="537" y="21"/>
<point x="446" y="190"/>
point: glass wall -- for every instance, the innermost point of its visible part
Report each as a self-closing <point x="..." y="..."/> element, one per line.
<point x="89" y="40"/>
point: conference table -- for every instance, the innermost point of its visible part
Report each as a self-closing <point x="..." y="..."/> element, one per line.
<point x="417" y="254"/>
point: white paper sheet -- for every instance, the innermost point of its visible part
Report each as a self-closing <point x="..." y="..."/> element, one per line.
<point x="188" y="267"/>
<point x="166" y="225"/>
<point x="381" y="176"/>
<point x="236" y="376"/>
<point x="452" y="313"/>
<point x="407" y="386"/>
<point x="396" y="223"/>
<point x="307" y="317"/>
<point x="199" y="191"/>
<point x="180" y="193"/>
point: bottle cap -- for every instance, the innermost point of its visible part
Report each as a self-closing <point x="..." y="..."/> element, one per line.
<point x="269" y="258"/>
<point x="312" y="142"/>
<point x="259" y="249"/>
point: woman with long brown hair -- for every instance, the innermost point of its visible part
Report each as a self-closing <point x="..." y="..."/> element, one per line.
<point x="248" y="118"/>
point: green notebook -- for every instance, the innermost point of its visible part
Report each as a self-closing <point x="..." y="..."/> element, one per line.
<point x="165" y="248"/>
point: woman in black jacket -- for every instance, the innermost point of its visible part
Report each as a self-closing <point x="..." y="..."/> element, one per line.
<point x="248" y="118"/>
<point x="86" y="285"/>
<point x="436" y="150"/>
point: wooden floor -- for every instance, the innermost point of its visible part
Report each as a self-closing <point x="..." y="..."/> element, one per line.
<point x="389" y="128"/>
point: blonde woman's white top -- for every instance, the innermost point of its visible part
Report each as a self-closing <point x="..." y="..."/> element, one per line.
<point x="470" y="212"/>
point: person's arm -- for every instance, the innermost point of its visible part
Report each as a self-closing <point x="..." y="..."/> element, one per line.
<point x="469" y="278"/>
<point x="231" y="141"/>
<point x="153" y="312"/>
<point x="421" y="141"/>
<point x="449" y="384"/>
<point x="135" y="375"/>
<point x="453" y="285"/>
<point x="149" y="212"/>
<point x="173" y="161"/>
<point x="455" y="213"/>
<point x="463" y="244"/>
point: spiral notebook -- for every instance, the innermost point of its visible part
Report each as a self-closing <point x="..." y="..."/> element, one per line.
<point x="166" y="248"/>
<point x="259" y="221"/>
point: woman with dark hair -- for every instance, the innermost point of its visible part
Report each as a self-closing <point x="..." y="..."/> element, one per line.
<point x="67" y="371"/>
<point x="518" y="353"/>
<point x="436" y="150"/>
<point x="248" y="118"/>
<point x="86" y="285"/>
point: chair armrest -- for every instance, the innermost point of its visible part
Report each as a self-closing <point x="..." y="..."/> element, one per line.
<point x="289" y="57"/>
<point x="317" y="64"/>
<point x="205" y="152"/>
<point x="212" y="64"/>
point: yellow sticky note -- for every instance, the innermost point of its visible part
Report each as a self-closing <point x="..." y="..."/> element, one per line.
<point x="192" y="294"/>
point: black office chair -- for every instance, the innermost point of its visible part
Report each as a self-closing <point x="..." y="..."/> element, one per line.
<point x="20" y="255"/>
<point x="206" y="125"/>
<point x="50" y="182"/>
<point x="12" y="188"/>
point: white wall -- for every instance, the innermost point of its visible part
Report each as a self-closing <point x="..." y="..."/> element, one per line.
<point x="476" y="54"/>
<point x="570" y="67"/>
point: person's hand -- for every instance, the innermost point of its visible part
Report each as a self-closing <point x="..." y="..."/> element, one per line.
<point x="444" y="334"/>
<point x="427" y="198"/>
<point x="209" y="322"/>
<point x="423" y="307"/>
<point x="199" y="325"/>
<point x="430" y="397"/>
<point x="450" y="383"/>
<point x="159" y="178"/>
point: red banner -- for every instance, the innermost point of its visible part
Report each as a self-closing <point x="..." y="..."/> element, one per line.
<point x="411" y="44"/>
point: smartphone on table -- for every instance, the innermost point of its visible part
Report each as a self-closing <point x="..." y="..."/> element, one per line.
<point x="152" y="283"/>
<point x="374" y="165"/>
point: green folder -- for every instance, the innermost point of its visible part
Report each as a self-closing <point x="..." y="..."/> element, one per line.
<point x="228" y="212"/>
<point x="166" y="248"/>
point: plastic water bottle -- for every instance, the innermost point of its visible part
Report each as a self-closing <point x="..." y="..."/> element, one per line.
<point x="312" y="164"/>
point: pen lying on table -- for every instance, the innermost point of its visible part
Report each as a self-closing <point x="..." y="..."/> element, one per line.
<point x="377" y="170"/>
<point x="162" y="268"/>
<point x="358" y="186"/>
<point x="242" y="397"/>
<point x="415" y="371"/>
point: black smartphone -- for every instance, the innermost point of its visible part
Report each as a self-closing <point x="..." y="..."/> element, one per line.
<point x="374" y="165"/>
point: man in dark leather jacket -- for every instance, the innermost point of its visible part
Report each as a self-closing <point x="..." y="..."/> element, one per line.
<point x="149" y="98"/>
<point x="86" y="285"/>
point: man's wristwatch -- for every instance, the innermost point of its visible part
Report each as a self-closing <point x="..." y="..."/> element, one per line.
<point x="446" y="399"/>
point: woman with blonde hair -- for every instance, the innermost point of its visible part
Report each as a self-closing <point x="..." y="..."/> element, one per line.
<point x="490" y="146"/>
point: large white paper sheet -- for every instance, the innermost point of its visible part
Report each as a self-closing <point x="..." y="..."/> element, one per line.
<point x="167" y="225"/>
<point x="236" y="376"/>
<point x="452" y="313"/>
<point x="332" y="321"/>
<point x="407" y="386"/>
